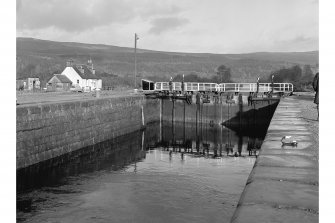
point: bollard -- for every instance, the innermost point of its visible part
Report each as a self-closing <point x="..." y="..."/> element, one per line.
<point x="198" y="96"/>
<point x="97" y="93"/>
<point x="143" y="123"/>
<point x="240" y="99"/>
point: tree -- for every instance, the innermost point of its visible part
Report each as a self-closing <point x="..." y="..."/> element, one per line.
<point x="307" y="74"/>
<point x="288" y="75"/>
<point x="296" y="73"/>
<point x="224" y="74"/>
<point x="192" y="77"/>
<point x="292" y="74"/>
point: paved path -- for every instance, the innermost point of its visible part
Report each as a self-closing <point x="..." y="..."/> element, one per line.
<point x="28" y="98"/>
<point x="283" y="185"/>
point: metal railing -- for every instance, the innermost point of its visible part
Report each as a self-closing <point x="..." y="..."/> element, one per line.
<point x="188" y="86"/>
<point x="225" y="87"/>
<point x="252" y="87"/>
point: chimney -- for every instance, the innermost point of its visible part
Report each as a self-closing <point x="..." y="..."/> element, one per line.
<point x="92" y="69"/>
<point x="69" y="63"/>
<point x="90" y="65"/>
<point x="81" y="69"/>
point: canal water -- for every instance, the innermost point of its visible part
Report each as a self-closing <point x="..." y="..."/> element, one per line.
<point x="170" y="171"/>
<point x="174" y="175"/>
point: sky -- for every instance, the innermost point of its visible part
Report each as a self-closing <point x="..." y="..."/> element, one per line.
<point x="199" y="26"/>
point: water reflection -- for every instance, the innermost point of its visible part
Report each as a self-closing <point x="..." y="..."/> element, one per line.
<point x="206" y="134"/>
<point x="210" y="141"/>
<point x="112" y="155"/>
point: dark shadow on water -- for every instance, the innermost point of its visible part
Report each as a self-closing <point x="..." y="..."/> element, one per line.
<point x="254" y="122"/>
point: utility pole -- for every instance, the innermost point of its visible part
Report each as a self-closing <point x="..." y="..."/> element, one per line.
<point x="136" y="38"/>
<point x="272" y="84"/>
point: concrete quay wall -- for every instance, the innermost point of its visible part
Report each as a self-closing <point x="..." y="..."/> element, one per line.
<point x="45" y="131"/>
<point x="283" y="185"/>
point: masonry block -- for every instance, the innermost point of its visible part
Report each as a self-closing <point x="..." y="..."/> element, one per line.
<point x="54" y="129"/>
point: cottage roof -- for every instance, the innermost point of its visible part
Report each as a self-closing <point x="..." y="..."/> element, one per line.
<point x="62" y="78"/>
<point x="87" y="74"/>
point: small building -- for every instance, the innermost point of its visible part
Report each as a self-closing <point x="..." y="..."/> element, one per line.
<point x="82" y="75"/>
<point x="148" y="85"/>
<point x="20" y="84"/>
<point x="59" y="82"/>
<point x="30" y="83"/>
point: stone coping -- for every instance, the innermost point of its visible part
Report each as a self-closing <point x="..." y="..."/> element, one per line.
<point x="76" y="100"/>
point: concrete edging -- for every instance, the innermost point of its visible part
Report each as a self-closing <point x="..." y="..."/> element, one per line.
<point x="283" y="185"/>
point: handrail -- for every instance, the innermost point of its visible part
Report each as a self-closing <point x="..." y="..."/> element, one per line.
<point x="225" y="87"/>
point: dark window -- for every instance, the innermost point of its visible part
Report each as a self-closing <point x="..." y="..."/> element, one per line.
<point x="77" y="81"/>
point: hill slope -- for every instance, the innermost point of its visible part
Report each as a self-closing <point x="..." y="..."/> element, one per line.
<point x="42" y="58"/>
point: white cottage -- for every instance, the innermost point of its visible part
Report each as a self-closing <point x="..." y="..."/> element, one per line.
<point x="82" y="75"/>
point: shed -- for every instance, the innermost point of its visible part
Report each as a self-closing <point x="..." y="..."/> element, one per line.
<point x="59" y="82"/>
<point x="148" y="85"/>
<point x="30" y="83"/>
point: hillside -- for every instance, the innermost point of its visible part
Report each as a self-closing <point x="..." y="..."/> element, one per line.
<point x="42" y="58"/>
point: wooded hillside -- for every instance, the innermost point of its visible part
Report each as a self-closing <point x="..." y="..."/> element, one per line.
<point x="42" y="58"/>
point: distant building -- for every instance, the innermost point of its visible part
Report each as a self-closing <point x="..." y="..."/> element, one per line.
<point x="20" y="85"/>
<point x="82" y="75"/>
<point x="31" y="83"/>
<point x="59" y="82"/>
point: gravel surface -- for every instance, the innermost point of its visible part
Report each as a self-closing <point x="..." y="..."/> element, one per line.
<point x="310" y="114"/>
<point x="25" y="97"/>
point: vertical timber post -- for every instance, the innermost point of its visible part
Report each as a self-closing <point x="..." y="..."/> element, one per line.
<point x="240" y="104"/>
<point x="142" y="140"/>
<point x="221" y="140"/>
<point x="173" y="110"/>
<point x="143" y="123"/>
<point x="173" y="127"/>
<point x="184" y="134"/>
<point x="221" y="99"/>
<point x="135" y="73"/>
<point x="160" y="119"/>
<point x="254" y="115"/>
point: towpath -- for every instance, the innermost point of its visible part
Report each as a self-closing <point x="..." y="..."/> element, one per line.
<point x="283" y="185"/>
<point x="25" y="98"/>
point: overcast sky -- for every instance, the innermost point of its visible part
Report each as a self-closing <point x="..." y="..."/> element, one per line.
<point x="212" y="26"/>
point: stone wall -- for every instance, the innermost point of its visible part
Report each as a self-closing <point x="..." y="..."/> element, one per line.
<point x="46" y="131"/>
